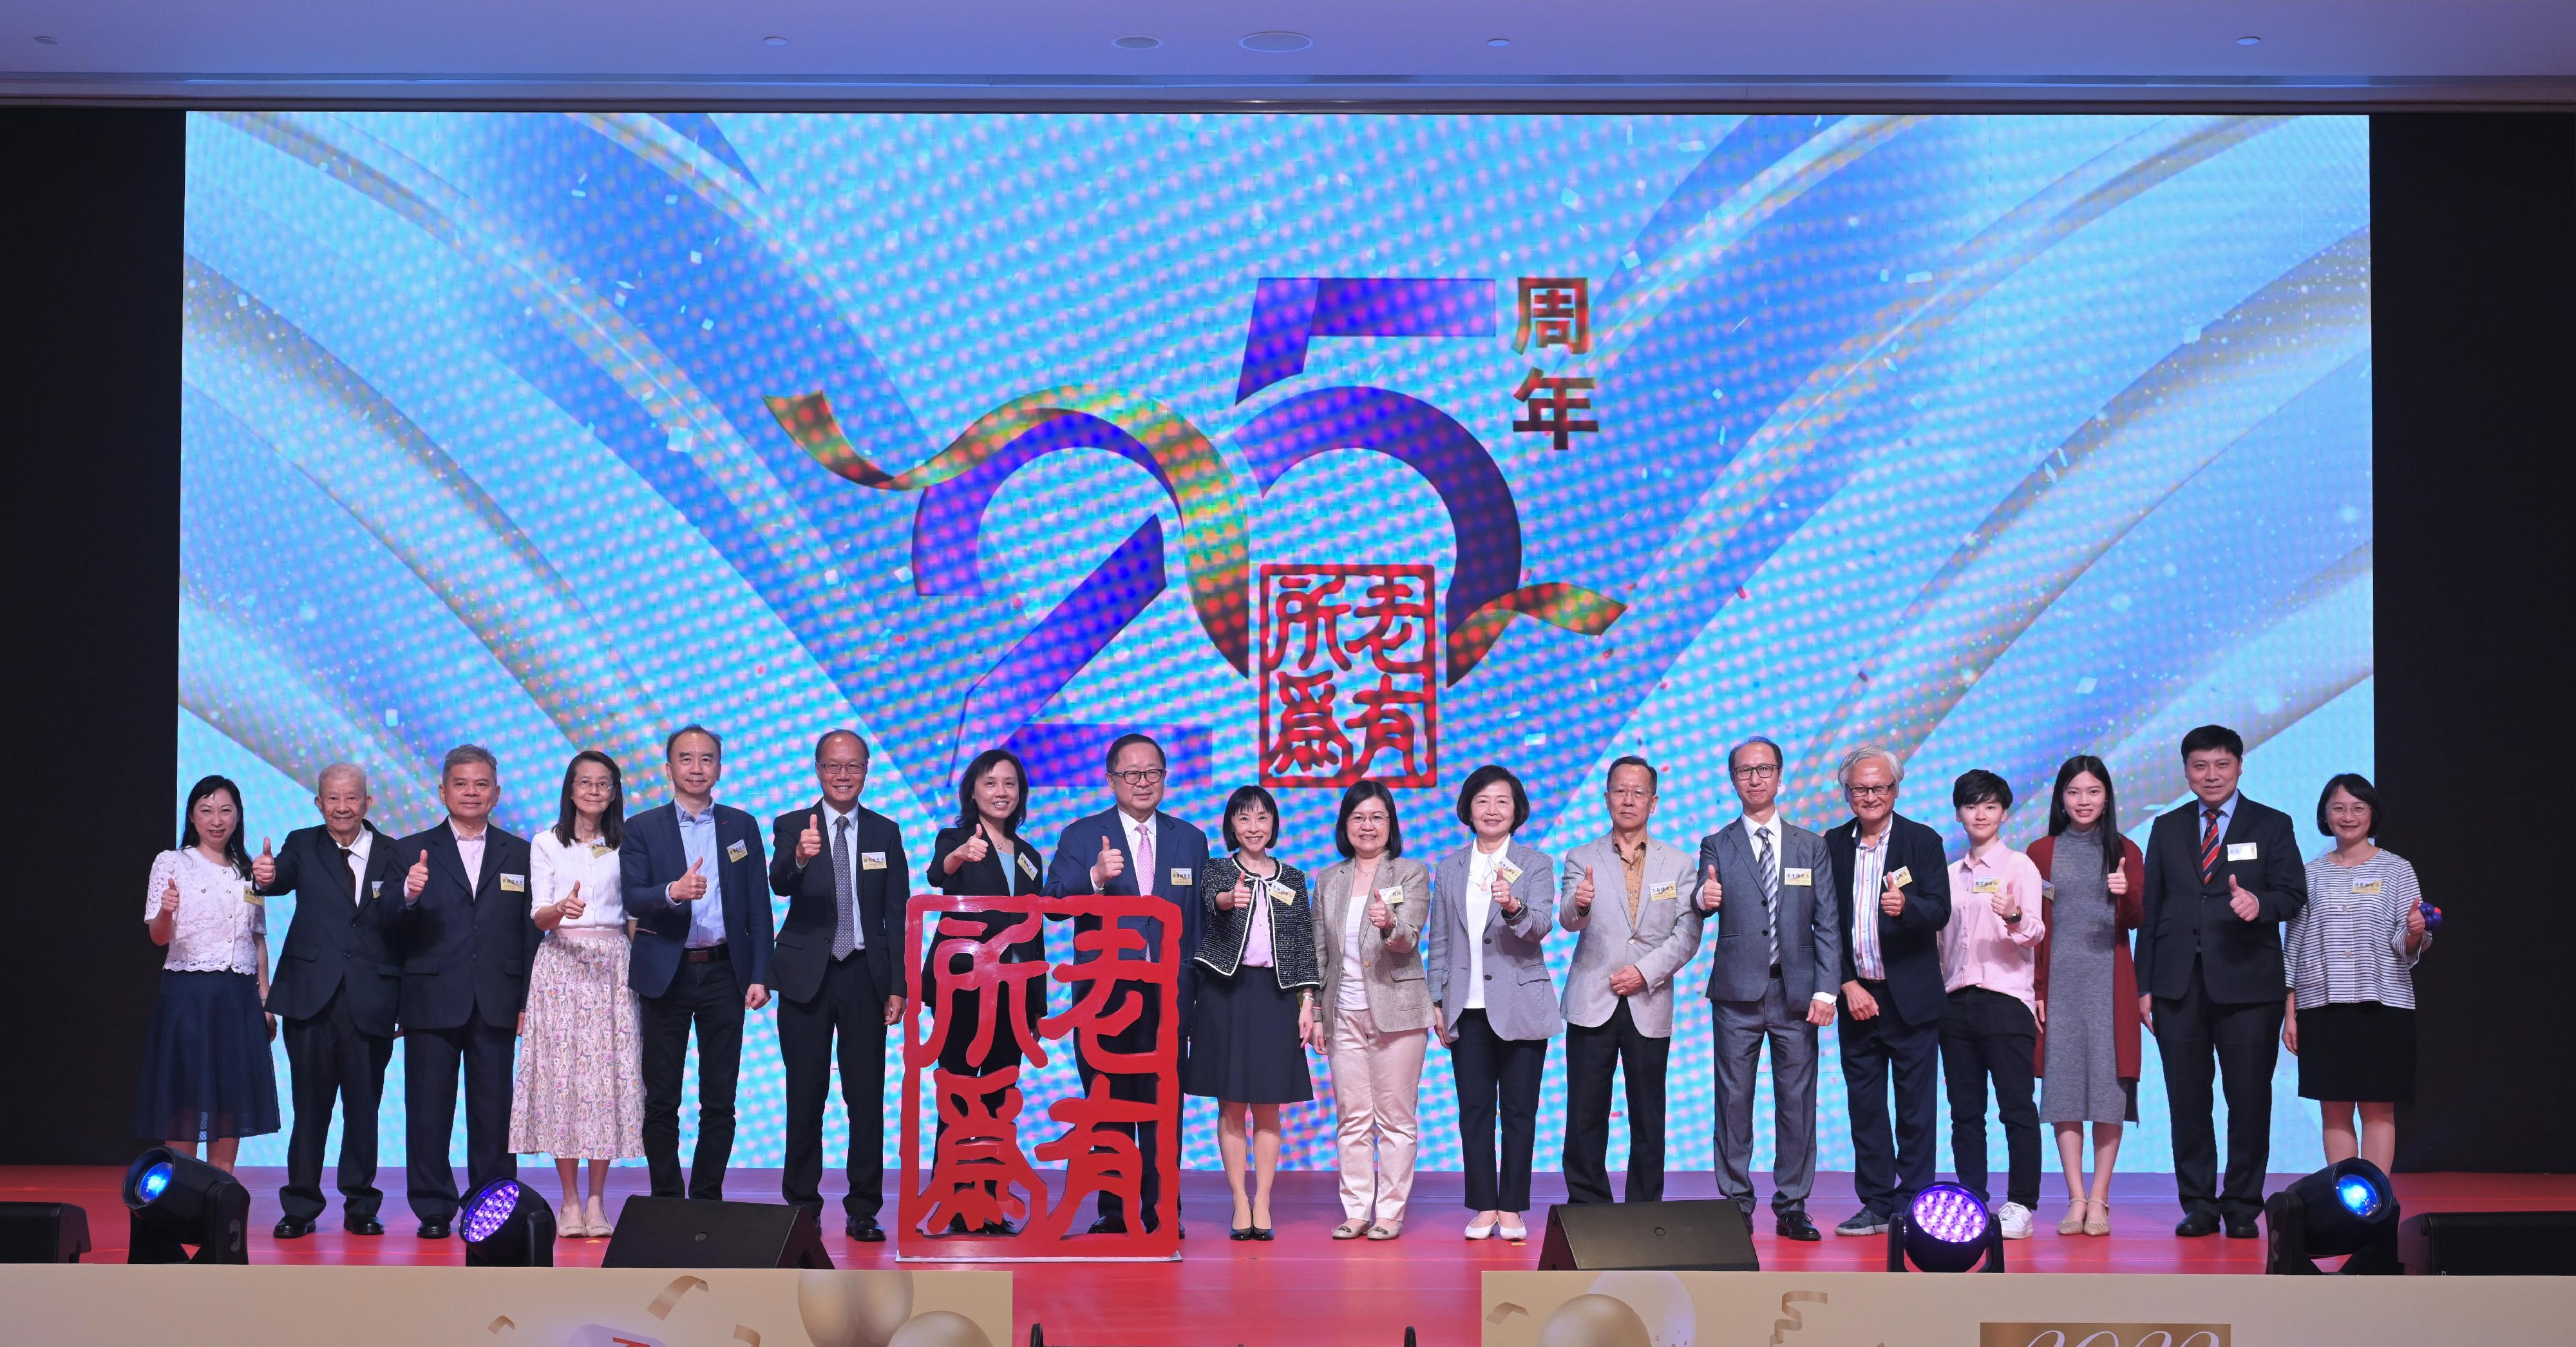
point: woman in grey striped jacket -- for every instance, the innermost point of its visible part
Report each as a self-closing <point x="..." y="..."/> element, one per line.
<point x="2350" y="956"/>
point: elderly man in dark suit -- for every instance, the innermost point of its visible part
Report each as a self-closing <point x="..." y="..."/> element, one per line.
<point x="1893" y="882"/>
<point x="335" y="988"/>
<point x="2222" y="874"/>
<point x="1778" y="962"/>
<point x="461" y="920"/>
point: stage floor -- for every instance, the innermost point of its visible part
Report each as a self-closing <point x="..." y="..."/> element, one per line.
<point x="1305" y="1289"/>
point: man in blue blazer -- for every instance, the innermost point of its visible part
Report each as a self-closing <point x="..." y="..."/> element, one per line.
<point x="692" y="872"/>
<point x="335" y="988"/>
<point x="1892" y="881"/>
<point x="1134" y="847"/>
<point x="462" y="924"/>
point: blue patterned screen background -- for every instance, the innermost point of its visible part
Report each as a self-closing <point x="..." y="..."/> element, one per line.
<point x="1995" y="439"/>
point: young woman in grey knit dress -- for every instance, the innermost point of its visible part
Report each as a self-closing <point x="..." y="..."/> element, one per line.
<point x="2088" y="1053"/>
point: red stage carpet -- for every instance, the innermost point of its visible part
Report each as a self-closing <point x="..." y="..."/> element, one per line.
<point x="1305" y="1289"/>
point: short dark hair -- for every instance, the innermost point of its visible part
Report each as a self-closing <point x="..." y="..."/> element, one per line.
<point x="1360" y="793"/>
<point x="693" y="727"/>
<point x="1244" y="797"/>
<point x="2085" y="764"/>
<point x="234" y="850"/>
<point x="1654" y="784"/>
<point x="968" y="816"/>
<point x="465" y="753"/>
<point x="2208" y="737"/>
<point x="829" y="736"/>
<point x="612" y="820"/>
<point x="1778" y="758"/>
<point x="1485" y="776"/>
<point x="1109" y="760"/>
<point x="1976" y="786"/>
<point x="2358" y="787"/>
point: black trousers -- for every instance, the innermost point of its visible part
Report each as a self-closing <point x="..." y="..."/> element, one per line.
<point x="430" y="1059"/>
<point x="710" y="997"/>
<point x="1591" y="1054"/>
<point x="1986" y="1035"/>
<point x="849" y="1001"/>
<point x="329" y="1060"/>
<point x="2246" y="1039"/>
<point x="1887" y="1173"/>
<point x="1136" y="1038"/>
<point x="1494" y="1070"/>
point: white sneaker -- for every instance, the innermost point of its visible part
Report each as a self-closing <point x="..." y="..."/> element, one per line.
<point x="2015" y="1220"/>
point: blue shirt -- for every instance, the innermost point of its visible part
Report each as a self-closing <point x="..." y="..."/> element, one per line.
<point x="698" y="841"/>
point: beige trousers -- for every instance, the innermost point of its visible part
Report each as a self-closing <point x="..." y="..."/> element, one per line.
<point x="1376" y="1079"/>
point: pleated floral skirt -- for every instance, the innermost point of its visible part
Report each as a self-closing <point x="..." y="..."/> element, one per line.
<point x="580" y="1092"/>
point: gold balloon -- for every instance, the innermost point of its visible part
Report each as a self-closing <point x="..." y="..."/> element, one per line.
<point x="940" y="1328"/>
<point x="853" y="1309"/>
<point x="1594" y="1321"/>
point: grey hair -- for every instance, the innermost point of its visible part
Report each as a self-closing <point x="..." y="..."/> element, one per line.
<point x="1853" y="759"/>
<point x="1776" y="755"/>
<point x="323" y="782"/>
<point x="465" y="753"/>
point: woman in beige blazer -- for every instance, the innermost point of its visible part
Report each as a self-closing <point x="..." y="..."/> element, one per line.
<point x="1374" y="1008"/>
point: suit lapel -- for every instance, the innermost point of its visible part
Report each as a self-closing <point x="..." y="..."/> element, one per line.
<point x="444" y="854"/>
<point x="491" y="863"/>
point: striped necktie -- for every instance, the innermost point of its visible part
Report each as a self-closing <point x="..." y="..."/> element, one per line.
<point x="1770" y="891"/>
<point x="2209" y="845"/>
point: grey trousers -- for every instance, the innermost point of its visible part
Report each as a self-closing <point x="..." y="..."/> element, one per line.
<point x="1741" y="1027"/>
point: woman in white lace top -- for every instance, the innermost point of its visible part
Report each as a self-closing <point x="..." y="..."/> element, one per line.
<point x="206" y="1069"/>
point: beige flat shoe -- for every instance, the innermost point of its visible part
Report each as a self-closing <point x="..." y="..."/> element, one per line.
<point x="2098" y="1225"/>
<point x="1350" y="1230"/>
<point x="1386" y="1230"/>
<point x="2074" y="1222"/>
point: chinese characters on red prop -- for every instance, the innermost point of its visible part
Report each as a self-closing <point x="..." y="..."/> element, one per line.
<point x="981" y="1173"/>
<point x="1349" y="676"/>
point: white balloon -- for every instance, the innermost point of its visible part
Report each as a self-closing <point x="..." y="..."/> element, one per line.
<point x="940" y="1328"/>
<point x="853" y="1309"/>
<point x="1659" y="1298"/>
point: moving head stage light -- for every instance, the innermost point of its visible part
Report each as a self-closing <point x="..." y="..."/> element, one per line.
<point x="1945" y="1229"/>
<point x="507" y="1225"/>
<point x="2346" y="1208"/>
<point x="176" y="1202"/>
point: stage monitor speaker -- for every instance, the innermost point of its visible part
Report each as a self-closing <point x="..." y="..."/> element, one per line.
<point x="1677" y="1236"/>
<point x="2489" y="1244"/>
<point x="43" y="1232"/>
<point x="678" y="1232"/>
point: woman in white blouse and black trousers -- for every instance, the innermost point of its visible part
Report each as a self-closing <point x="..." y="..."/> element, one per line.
<point x="2350" y="954"/>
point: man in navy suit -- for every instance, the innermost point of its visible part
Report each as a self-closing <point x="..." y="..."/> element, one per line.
<point x="1892" y="881"/>
<point x="1134" y="847"/>
<point x="842" y="871"/>
<point x="335" y="988"/>
<point x="466" y="938"/>
<point x="692" y="874"/>
<point x="2222" y="874"/>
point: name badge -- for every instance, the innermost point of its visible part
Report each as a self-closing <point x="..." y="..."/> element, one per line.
<point x="2048" y="890"/>
<point x="598" y="849"/>
<point x="1904" y="875"/>
<point x="737" y="851"/>
<point x="2366" y="888"/>
<point x="1987" y="886"/>
<point x="1181" y="876"/>
<point x="250" y="895"/>
<point x="1028" y="867"/>
<point x="871" y="860"/>
<point x="1796" y="876"/>
<point x="2240" y="851"/>
<point x="1392" y="896"/>
<point x="514" y="883"/>
<point x="1511" y="873"/>
<point x="375" y="888"/>
<point x="1663" y="892"/>
<point x="1280" y="893"/>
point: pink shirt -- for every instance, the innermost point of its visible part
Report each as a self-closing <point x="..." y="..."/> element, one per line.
<point x="1977" y="948"/>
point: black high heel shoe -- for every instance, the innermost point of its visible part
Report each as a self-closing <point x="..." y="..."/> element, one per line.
<point x="1260" y="1232"/>
<point x="1243" y="1232"/>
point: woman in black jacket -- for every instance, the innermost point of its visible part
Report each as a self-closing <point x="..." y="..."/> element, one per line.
<point x="982" y="855"/>
<point x="1256" y="1001"/>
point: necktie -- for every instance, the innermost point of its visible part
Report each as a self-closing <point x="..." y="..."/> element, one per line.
<point x="845" y="924"/>
<point x="1770" y="891"/>
<point x="357" y="882"/>
<point x="2209" y="845"/>
<point x="1145" y="860"/>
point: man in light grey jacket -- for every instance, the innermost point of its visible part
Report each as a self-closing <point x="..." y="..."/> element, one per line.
<point x="1635" y="901"/>
<point x="1778" y="963"/>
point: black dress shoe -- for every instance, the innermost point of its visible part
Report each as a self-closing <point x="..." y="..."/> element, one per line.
<point x="1261" y="1232"/>
<point x="998" y="1229"/>
<point x="1109" y="1225"/>
<point x="1795" y="1225"/>
<point x="433" y="1230"/>
<point x="364" y="1225"/>
<point x="2241" y="1227"/>
<point x="290" y="1228"/>
<point x="957" y="1226"/>
<point x="2197" y="1224"/>
<point x="1240" y="1232"/>
<point x="865" y="1230"/>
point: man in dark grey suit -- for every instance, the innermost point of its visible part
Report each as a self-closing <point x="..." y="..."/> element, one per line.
<point x="1778" y="961"/>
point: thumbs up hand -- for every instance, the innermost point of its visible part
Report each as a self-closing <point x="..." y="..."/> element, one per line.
<point x="2243" y="904"/>
<point x="1892" y="902"/>
<point x="1583" y="892"/>
<point x="1236" y="897"/>
<point x="417" y="877"/>
<point x="167" y="905"/>
<point x="1711" y="893"/>
<point x="2118" y="883"/>
<point x="1111" y="864"/>
<point x="809" y="843"/>
<point x="977" y="847"/>
<point x="690" y="887"/>
<point x="570" y="905"/>
<point x="1503" y="897"/>
<point x="263" y="867"/>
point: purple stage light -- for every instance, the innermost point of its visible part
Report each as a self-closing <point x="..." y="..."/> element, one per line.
<point x="1950" y="1214"/>
<point x="492" y="1206"/>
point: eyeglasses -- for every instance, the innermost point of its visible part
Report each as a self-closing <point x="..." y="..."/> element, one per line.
<point x="1869" y="792"/>
<point x="841" y="768"/>
<point x="1760" y="771"/>
<point x="1147" y="777"/>
<point x="1631" y="793"/>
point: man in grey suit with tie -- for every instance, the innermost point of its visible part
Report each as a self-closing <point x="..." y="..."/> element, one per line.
<point x="1629" y="894"/>
<point x="1778" y="960"/>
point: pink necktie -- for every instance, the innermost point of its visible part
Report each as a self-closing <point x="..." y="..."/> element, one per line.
<point x="1145" y="859"/>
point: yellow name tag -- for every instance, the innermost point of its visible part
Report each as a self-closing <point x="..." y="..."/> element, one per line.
<point x="1511" y="873"/>
<point x="250" y="895"/>
<point x="737" y="851"/>
<point x="1181" y="876"/>
<point x="1664" y="892"/>
<point x="514" y="883"/>
<point x="1987" y="886"/>
<point x="1904" y="875"/>
<point x="1806" y="878"/>
<point x="871" y="860"/>
<point x="2367" y="888"/>
<point x="1392" y="896"/>
<point x="2240" y="851"/>
<point x="1028" y="867"/>
<point x="598" y="849"/>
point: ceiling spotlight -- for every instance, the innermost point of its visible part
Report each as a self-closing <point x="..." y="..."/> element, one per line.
<point x="774" y="40"/>
<point x="1275" y="40"/>
<point x="1136" y="42"/>
<point x="2249" y="40"/>
<point x="1498" y="42"/>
